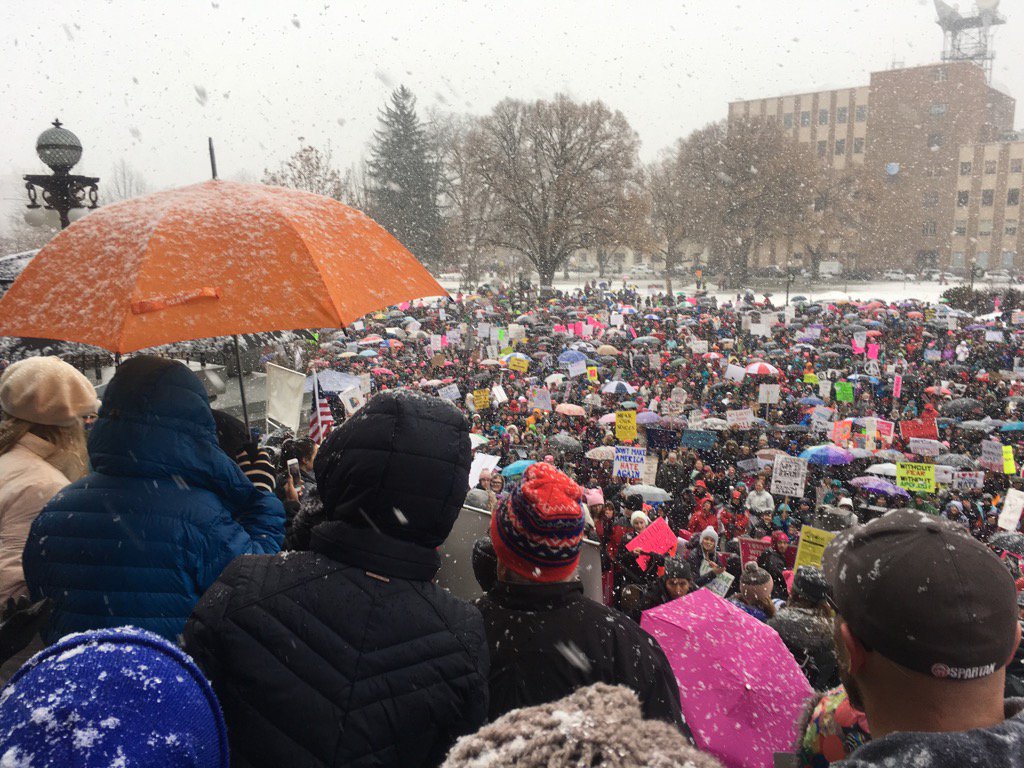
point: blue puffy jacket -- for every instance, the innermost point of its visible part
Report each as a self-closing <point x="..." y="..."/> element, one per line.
<point x="138" y="540"/>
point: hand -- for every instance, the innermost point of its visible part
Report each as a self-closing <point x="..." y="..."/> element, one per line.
<point x="717" y="569"/>
<point x="20" y="621"/>
<point x="290" y="491"/>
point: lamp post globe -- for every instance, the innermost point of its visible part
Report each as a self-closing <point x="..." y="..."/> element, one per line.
<point x="59" y="148"/>
<point x="62" y="196"/>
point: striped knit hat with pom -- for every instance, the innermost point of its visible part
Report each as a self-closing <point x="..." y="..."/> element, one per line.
<point x="538" y="530"/>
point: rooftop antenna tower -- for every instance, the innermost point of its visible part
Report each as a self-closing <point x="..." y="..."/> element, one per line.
<point x="969" y="38"/>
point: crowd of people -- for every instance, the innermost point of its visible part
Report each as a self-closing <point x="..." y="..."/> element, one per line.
<point x="758" y="435"/>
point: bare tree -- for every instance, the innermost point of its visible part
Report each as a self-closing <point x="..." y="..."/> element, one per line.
<point x="310" y="169"/>
<point x="753" y="185"/>
<point x="845" y="203"/>
<point x="123" y="183"/>
<point x="355" y="186"/>
<point x="556" y="170"/>
<point x="672" y="195"/>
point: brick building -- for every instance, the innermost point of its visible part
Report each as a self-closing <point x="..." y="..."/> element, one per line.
<point x="905" y="131"/>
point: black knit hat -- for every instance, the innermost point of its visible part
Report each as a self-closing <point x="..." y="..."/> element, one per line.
<point x="922" y="592"/>
<point x="809" y="583"/>
<point x="677" y="568"/>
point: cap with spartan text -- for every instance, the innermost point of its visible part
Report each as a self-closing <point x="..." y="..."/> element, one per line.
<point x="922" y="592"/>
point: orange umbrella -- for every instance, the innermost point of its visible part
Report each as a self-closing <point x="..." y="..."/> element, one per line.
<point x="212" y="259"/>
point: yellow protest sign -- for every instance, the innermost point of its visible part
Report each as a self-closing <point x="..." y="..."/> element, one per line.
<point x="592" y="372"/>
<point x="915" y="476"/>
<point x="1009" y="465"/>
<point x="625" y="425"/>
<point x="812" y="546"/>
<point x="810" y="378"/>
<point x="519" y="364"/>
<point x="481" y="399"/>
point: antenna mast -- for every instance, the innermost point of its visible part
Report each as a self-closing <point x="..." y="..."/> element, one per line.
<point x="969" y="38"/>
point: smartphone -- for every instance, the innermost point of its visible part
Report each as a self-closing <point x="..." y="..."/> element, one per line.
<point x="293" y="470"/>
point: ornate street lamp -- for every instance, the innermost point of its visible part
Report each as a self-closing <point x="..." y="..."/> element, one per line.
<point x="69" y="195"/>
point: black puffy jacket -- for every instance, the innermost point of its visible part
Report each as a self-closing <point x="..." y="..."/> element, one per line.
<point x="547" y="640"/>
<point x="349" y="655"/>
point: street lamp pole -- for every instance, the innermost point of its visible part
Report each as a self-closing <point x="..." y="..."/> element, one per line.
<point x="61" y="191"/>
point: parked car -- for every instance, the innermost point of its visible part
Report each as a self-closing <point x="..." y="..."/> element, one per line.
<point x="929" y="274"/>
<point x="1000" y="275"/>
<point x="893" y="274"/>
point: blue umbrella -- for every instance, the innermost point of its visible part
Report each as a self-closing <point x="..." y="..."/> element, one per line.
<point x="811" y="400"/>
<point x="1013" y="426"/>
<point x="827" y="455"/>
<point x="368" y="353"/>
<point x="516" y="468"/>
<point x="617" y="388"/>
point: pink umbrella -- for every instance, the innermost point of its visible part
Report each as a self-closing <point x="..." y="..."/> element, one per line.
<point x="741" y="690"/>
<point x="570" y="409"/>
<point x="762" y="369"/>
<point x="608" y="418"/>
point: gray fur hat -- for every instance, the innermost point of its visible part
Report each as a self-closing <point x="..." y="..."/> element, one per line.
<point x="600" y="725"/>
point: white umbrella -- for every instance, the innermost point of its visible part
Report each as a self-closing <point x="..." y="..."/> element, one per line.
<point x="887" y="469"/>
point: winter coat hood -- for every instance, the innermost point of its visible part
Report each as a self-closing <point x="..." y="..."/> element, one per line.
<point x="400" y="466"/>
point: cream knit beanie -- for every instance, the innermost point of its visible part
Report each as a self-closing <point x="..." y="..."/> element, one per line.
<point x="46" y="390"/>
<point x="600" y="725"/>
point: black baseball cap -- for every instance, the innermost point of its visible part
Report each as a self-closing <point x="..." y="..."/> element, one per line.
<point x="923" y="593"/>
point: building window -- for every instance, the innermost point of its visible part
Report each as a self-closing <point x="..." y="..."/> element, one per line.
<point x="840" y="146"/>
<point x="1011" y="226"/>
<point x="1008" y="258"/>
<point x="842" y="115"/>
<point x="982" y="259"/>
<point x="822" y="117"/>
<point x="787" y="120"/>
<point x="822" y="148"/>
<point x="988" y="196"/>
<point x="985" y="227"/>
<point x="934" y="140"/>
<point x="940" y="74"/>
<point x="805" y="119"/>
<point x="965" y="169"/>
<point x="938" y="110"/>
<point x="990" y="166"/>
<point x="1015" y="164"/>
<point x="861" y="113"/>
<point x="928" y="228"/>
<point x="929" y="199"/>
<point x="963" y="198"/>
<point x="858" y="146"/>
<point x="1013" y="196"/>
<point x="960" y="227"/>
<point x="958" y="259"/>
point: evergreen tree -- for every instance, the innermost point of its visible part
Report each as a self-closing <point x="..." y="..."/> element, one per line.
<point x="403" y="178"/>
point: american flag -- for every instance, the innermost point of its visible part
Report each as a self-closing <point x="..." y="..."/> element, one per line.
<point x="322" y="420"/>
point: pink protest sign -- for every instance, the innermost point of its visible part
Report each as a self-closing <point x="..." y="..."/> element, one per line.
<point x="897" y="386"/>
<point x="657" y="538"/>
<point x="856" y="349"/>
<point x="872" y="351"/>
<point x="559" y="329"/>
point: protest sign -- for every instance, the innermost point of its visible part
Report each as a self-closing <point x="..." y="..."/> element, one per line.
<point x="943" y="474"/>
<point x="481" y="399"/>
<point x="352" y="399"/>
<point x="842" y="431"/>
<point x="698" y="346"/>
<point x="625" y="425"/>
<point x="284" y="396"/>
<point x="1013" y="504"/>
<point x="720" y="584"/>
<point x="699" y="439"/>
<point x="897" y="387"/>
<point x="454" y="337"/>
<point x="873" y="356"/>
<point x="516" y="331"/>
<point x="768" y="394"/>
<point x="811" y="378"/>
<point x="812" y="546"/>
<point x="914" y="476"/>
<point x="926" y="428"/>
<point x="824" y="389"/>
<point x="991" y="455"/>
<point x="481" y="461"/>
<point x="519" y="364"/>
<point x="735" y="373"/>
<point x="860" y="340"/>
<point x="789" y="476"/>
<point x="1009" y="465"/>
<point x="932" y="355"/>
<point x="435" y="342"/>
<point x="629" y="462"/>
<point x="449" y="392"/>
<point x="967" y="481"/>
<point x="996" y="336"/>
<point x="592" y="373"/>
<point x="844" y="392"/>
<point x="578" y="368"/>
<point x="540" y="398"/>
<point x="821" y="418"/>
<point x="741" y="418"/>
<point x="886" y="429"/>
<point x="616" y="318"/>
<point x="657" y="538"/>
<point x="499" y="394"/>
<point x="925" y="447"/>
<point x="751" y="549"/>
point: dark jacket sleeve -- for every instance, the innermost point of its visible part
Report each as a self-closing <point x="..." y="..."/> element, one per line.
<point x="309" y="516"/>
<point x="660" y="695"/>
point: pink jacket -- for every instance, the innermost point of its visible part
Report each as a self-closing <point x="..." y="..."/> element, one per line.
<point x="27" y="483"/>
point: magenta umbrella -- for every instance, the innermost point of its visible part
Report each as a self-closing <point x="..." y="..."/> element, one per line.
<point x="740" y="689"/>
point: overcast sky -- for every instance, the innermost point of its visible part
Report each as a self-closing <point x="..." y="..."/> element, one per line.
<point x="149" y="81"/>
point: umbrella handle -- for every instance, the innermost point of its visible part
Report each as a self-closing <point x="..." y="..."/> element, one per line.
<point x="241" y="383"/>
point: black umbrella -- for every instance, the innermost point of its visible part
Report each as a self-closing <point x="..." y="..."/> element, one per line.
<point x="962" y="406"/>
<point x="956" y="460"/>
<point x="1008" y="541"/>
<point x="565" y="443"/>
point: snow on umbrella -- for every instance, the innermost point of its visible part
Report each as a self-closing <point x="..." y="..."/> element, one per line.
<point x="645" y="341"/>
<point x="769" y="454"/>
<point x="1008" y="541"/>
<point x="740" y="689"/>
<point x="977" y="426"/>
<point x="565" y="443"/>
<point x="716" y="425"/>
<point x="570" y="409"/>
<point x="607" y="349"/>
<point x="516" y="468"/>
<point x="955" y="460"/>
<point x="963" y="406"/>
<point x="811" y="400"/>
<point x="368" y="353"/>
<point x="887" y="469"/>
<point x="877" y="485"/>
<point x="571" y="356"/>
<point x="628" y="404"/>
<point x="888" y="454"/>
<point x="555" y="378"/>
<point x="490" y="362"/>
<point x="601" y="453"/>
<point x="617" y="388"/>
<point x="827" y="455"/>
<point x="761" y="369"/>
<point x="647" y="418"/>
<point x="648" y="492"/>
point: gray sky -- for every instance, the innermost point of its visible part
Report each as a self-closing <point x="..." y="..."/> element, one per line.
<point x="149" y="81"/>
